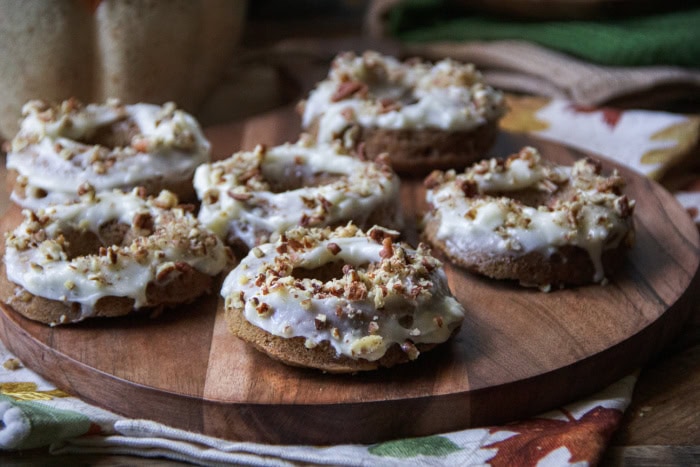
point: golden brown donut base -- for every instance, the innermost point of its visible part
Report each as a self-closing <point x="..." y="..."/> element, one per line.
<point x="569" y="265"/>
<point x="183" y="289"/>
<point x="292" y="351"/>
<point x="418" y="152"/>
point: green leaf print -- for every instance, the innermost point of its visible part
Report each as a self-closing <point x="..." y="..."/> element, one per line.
<point x="427" y="446"/>
<point x="49" y="424"/>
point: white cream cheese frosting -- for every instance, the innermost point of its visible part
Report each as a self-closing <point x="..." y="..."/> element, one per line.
<point x="53" y="152"/>
<point x="378" y="91"/>
<point x="386" y="293"/>
<point x="256" y="195"/>
<point x="477" y="217"/>
<point x="163" y="239"/>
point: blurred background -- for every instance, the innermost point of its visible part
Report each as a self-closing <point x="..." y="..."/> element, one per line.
<point x="623" y="53"/>
<point x="223" y="59"/>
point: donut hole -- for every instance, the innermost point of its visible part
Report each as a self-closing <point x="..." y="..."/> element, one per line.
<point x="534" y="198"/>
<point x="390" y="93"/>
<point x="324" y="273"/>
<point x="406" y="321"/>
<point x="80" y="243"/>
<point x="527" y="197"/>
<point x="113" y="135"/>
<point x="115" y="233"/>
<point x="295" y="177"/>
<point x="84" y="243"/>
<point x="384" y="86"/>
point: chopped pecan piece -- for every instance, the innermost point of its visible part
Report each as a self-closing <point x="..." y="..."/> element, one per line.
<point x="435" y="178"/>
<point x="468" y="187"/>
<point x="387" y="250"/>
<point x="379" y="234"/>
<point x="333" y="248"/>
<point x="144" y="221"/>
<point x="347" y="89"/>
<point x="320" y="321"/>
<point x="239" y="196"/>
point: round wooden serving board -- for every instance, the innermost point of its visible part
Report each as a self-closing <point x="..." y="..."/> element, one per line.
<point x="520" y="351"/>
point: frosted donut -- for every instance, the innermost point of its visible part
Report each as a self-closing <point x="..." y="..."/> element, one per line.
<point x="108" y="255"/>
<point x="109" y="146"/>
<point x="340" y="300"/>
<point x="525" y="219"/>
<point x="426" y="116"/>
<point x="254" y="196"/>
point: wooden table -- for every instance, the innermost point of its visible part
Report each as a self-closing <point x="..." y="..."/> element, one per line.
<point x="662" y="425"/>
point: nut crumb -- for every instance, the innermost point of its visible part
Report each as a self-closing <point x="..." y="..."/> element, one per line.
<point x="12" y="364"/>
<point x="333" y="248"/>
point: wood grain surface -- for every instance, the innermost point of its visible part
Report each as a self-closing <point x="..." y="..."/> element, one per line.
<point x="520" y="351"/>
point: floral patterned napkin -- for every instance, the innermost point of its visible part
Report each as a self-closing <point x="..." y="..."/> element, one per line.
<point x="660" y="145"/>
<point x="34" y="413"/>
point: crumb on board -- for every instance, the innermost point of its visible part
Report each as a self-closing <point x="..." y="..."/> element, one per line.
<point x="12" y="364"/>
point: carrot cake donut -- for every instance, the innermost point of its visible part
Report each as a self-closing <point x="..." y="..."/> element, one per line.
<point x="525" y="219"/>
<point x="108" y="254"/>
<point x="426" y="116"/>
<point x="110" y="146"/>
<point x="254" y="196"/>
<point x="340" y="300"/>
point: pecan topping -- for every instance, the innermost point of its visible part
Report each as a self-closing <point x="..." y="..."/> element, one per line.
<point x="468" y="187"/>
<point x="623" y="206"/>
<point x="248" y="174"/>
<point x="435" y="178"/>
<point x="388" y="105"/>
<point x="263" y="309"/>
<point x="548" y="185"/>
<point x="308" y="202"/>
<point x="141" y="145"/>
<point x="141" y="192"/>
<point x="295" y="244"/>
<point x="320" y="321"/>
<point x="347" y="89"/>
<point x="348" y="114"/>
<point x="325" y="204"/>
<point x="109" y="253"/>
<point x="410" y="350"/>
<point x="183" y="267"/>
<point x="165" y="271"/>
<point x="86" y="188"/>
<point x="610" y="184"/>
<point x="144" y="221"/>
<point x="357" y="291"/>
<point x="378" y="234"/>
<point x="361" y="153"/>
<point x="595" y="165"/>
<point x="239" y="196"/>
<point x="387" y="250"/>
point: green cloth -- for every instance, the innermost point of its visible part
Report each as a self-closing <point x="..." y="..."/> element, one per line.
<point x="661" y="39"/>
<point x="45" y="424"/>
